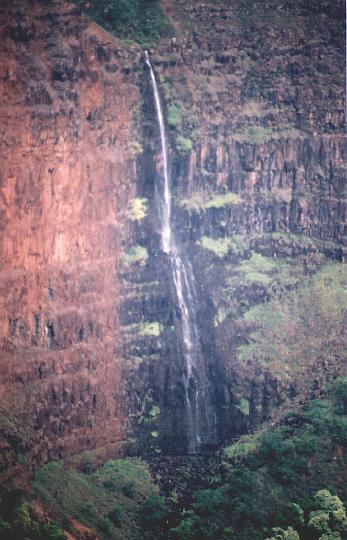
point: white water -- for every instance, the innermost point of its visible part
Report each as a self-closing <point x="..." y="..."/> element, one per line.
<point x="166" y="234"/>
<point x="183" y="279"/>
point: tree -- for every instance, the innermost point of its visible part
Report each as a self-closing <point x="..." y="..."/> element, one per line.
<point x="281" y="534"/>
<point x="330" y="519"/>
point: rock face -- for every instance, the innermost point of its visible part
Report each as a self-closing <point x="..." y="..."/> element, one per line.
<point x="253" y="100"/>
<point x="66" y="173"/>
<point x="258" y="171"/>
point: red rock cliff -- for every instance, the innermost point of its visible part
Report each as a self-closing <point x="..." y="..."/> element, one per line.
<point x="65" y="176"/>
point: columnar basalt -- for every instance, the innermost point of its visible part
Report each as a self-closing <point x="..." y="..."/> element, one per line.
<point x="67" y="172"/>
<point x="252" y="102"/>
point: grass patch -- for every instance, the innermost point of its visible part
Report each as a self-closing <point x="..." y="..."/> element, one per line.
<point x="152" y="329"/>
<point x="137" y="208"/>
<point x="220" y="247"/>
<point x="274" y="275"/>
<point x="198" y="202"/>
<point x="254" y="134"/>
<point x="256" y="270"/>
<point x="136" y="255"/>
<point x="260" y="134"/>
<point x="222" y="314"/>
<point x="220" y="201"/>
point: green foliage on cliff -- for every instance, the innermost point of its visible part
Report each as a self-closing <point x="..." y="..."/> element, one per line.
<point x="199" y="202"/>
<point x="259" y="134"/>
<point x="301" y="327"/>
<point x="243" y="406"/>
<point x="137" y="208"/>
<point x="225" y="199"/>
<point x="271" y="265"/>
<point x="273" y="274"/>
<point x="136" y="255"/>
<point x="221" y="247"/>
<point x="174" y="115"/>
<point x="142" y="21"/>
<point x="184" y="144"/>
<point x="283" y="482"/>
<point x="150" y="329"/>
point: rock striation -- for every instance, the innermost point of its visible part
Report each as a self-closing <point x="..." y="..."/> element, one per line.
<point x="253" y="100"/>
<point x="67" y="171"/>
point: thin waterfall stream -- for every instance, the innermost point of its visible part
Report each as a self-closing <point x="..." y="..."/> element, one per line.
<point x="186" y="297"/>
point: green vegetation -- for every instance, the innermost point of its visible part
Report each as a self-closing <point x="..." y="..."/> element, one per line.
<point x="152" y="329"/>
<point x="259" y="277"/>
<point x="22" y="523"/>
<point x="226" y="199"/>
<point x="301" y="327"/>
<point x="257" y="269"/>
<point x="109" y="500"/>
<point x="174" y="115"/>
<point x="142" y="21"/>
<point x="136" y="255"/>
<point x="137" y="208"/>
<point x="222" y="314"/>
<point x="178" y="120"/>
<point x="281" y="483"/>
<point x="260" y="134"/>
<point x="184" y="144"/>
<point x="242" y="448"/>
<point x="255" y="134"/>
<point x="273" y="275"/>
<point x="221" y="247"/>
<point x="243" y="406"/>
<point x="200" y="202"/>
<point x="287" y="244"/>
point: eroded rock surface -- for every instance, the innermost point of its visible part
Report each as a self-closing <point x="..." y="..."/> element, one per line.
<point x="67" y="171"/>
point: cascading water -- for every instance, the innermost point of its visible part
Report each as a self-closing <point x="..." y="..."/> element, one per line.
<point x="198" y="411"/>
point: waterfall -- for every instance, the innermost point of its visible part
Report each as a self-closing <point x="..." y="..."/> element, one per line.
<point x="184" y="284"/>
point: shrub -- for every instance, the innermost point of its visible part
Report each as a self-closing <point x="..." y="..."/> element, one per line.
<point x="174" y="115"/>
<point x="136" y="255"/>
<point x="52" y="531"/>
<point x="137" y="208"/>
<point x="140" y="20"/>
<point x="154" y="514"/>
<point x="116" y="516"/>
<point x="184" y="144"/>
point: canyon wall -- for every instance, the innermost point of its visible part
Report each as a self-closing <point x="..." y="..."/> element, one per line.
<point x="254" y="106"/>
<point x="67" y="171"/>
<point x="254" y="103"/>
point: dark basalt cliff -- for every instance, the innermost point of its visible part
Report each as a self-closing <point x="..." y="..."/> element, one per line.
<point x="254" y="105"/>
<point x="255" y="112"/>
